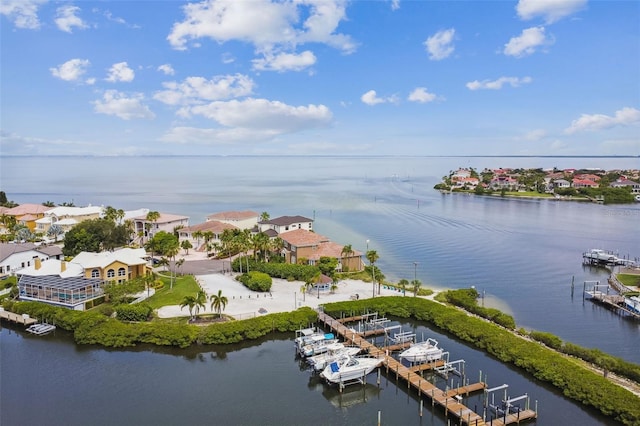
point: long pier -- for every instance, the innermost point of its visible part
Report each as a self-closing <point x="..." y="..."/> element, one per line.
<point x="445" y="399"/>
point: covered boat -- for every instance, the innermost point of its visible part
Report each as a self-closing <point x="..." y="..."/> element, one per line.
<point x="334" y="352"/>
<point x="350" y="368"/>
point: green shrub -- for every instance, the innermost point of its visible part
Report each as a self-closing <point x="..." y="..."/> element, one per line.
<point x="137" y="312"/>
<point x="256" y="281"/>
<point x="548" y="339"/>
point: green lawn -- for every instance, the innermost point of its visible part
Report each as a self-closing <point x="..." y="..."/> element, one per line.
<point x="183" y="286"/>
<point x="630" y="280"/>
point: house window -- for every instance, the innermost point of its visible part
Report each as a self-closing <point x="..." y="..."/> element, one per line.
<point x="122" y="272"/>
<point x="23" y="264"/>
<point x="95" y="273"/>
<point x="111" y="273"/>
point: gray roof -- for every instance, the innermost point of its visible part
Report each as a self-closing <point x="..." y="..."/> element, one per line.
<point x="287" y="220"/>
<point x="57" y="282"/>
<point x="9" y="249"/>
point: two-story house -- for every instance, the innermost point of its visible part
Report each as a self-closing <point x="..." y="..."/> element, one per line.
<point x="14" y="257"/>
<point x="146" y="229"/>
<point x="301" y="244"/>
<point x="283" y="224"/>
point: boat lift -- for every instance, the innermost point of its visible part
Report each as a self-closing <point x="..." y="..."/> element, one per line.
<point x="456" y="367"/>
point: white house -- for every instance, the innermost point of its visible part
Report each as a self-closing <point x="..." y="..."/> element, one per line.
<point x="165" y="222"/>
<point x="67" y="217"/>
<point x="14" y="257"/>
<point x="284" y="224"/>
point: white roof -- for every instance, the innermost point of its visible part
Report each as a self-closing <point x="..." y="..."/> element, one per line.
<point x="130" y="214"/>
<point x="127" y="256"/>
<point x="53" y="267"/>
<point x="67" y="221"/>
<point x="74" y="211"/>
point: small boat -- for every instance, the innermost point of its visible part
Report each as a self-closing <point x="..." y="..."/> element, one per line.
<point x="41" y="329"/>
<point x="308" y="337"/>
<point x="319" y="347"/>
<point x="350" y="368"/>
<point x="334" y="351"/>
<point x="423" y="352"/>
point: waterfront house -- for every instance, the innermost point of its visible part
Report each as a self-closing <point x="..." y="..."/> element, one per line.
<point x="67" y="217"/>
<point x="14" y="257"/>
<point x="120" y="265"/>
<point x="622" y="183"/>
<point x="239" y="219"/>
<point x="584" y="183"/>
<point x="146" y="229"/>
<point x="27" y="214"/>
<point x="301" y="244"/>
<point x="204" y="234"/>
<point x="283" y="224"/>
<point x="561" y="183"/>
<point x="58" y="283"/>
<point x="466" y="183"/>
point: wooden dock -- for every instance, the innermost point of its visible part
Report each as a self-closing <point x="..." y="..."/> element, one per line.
<point x="17" y="318"/>
<point x="445" y="399"/>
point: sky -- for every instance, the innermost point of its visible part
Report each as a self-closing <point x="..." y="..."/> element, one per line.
<point x="329" y="77"/>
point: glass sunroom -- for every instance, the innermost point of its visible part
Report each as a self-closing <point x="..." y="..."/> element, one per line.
<point x="69" y="292"/>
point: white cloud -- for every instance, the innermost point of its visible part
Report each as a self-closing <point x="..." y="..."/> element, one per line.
<point x="497" y="84"/>
<point x="285" y="62"/>
<point x="123" y="106"/>
<point x="550" y="10"/>
<point x="421" y="95"/>
<point x="66" y="18"/>
<point x="23" y="13"/>
<point x="271" y="26"/>
<point x="195" y="90"/>
<point x="167" y="69"/>
<point x="371" y="98"/>
<point x="535" y="135"/>
<point x="395" y="4"/>
<point x="440" y="45"/>
<point x="228" y="58"/>
<point x="527" y="42"/>
<point x="265" y="115"/>
<point x="120" y="72"/>
<point x="590" y="122"/>
<point x="224" y="136"/>
<point x="71" y="70"/>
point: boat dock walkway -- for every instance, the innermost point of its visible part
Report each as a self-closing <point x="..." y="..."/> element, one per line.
<point x="17" y="318"/>
<point x="445" y="399"/>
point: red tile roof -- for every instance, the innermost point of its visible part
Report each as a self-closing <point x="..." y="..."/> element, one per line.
<point x="212" y="225"/>
<point x="23" y="209"/>
<point x="303" y="238"/>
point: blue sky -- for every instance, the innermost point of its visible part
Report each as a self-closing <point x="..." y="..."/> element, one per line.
<point x="331" y="77"/>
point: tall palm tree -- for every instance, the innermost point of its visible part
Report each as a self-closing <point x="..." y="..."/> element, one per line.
<point x="416" y="286"/>
<point x="152" y="216"/>
<point x="218" y="302"/>
<point x="260" y="243"/>
<point x="179" y="263"/>
<point x="189" y="301"/>
<point x="197" y="235"/>
<point x="208" y="236"/>
<point x="403" y="284"/>
<point x="200" y="301"/>
<point x="276" y="245"/>
<point x="227" y="241"/>
<point x="264" y="217"/>
<point x="171" y="252"/>
<point x="347" y="252"/>
<point x="372" y="257"/>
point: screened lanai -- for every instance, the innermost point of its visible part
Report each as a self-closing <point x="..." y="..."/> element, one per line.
<point x="71" y="292"/>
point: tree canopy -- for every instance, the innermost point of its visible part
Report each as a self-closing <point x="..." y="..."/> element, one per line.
<point x="94" y="235"/>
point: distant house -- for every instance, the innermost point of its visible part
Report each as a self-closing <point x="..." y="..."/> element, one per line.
<point x="120" y="265"/>
<point x="561" y="183"/>
<point x="146" y="229"/>
<point x="27" y="214"/>
<point x="59" y="283"/>
<point x="14" y="257"/>
<point x="285" y="224"/>
<point x="584" y="183"/>
<point x="468" y="182"/>
<point x="503" y="182"/>
<point x="302" y="244"/>
<point x="461" y="174"/>
<point x="197" y="234"/>
<point x="241" y="220"/>
<point x="67" y="217"/>
<point x="622" y="183"/>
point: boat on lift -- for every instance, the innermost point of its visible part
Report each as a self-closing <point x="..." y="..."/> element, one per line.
<point x="350" y="368"/>
<point x="425" y="351"/>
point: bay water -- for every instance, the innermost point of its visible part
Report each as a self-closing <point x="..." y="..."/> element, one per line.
<point x="522" y="255"/>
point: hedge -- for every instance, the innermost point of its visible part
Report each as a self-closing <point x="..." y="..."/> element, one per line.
<point x="256" y="281"/>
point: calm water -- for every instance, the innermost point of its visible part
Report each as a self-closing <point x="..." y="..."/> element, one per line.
<point x="523" y="255"/>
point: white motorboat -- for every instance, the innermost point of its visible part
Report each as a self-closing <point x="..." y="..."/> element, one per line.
<point x="41" y="329"/>
<point x="319" y="347"/>
<point x="350" y="368"/>
<point x="334" y="351"/>
<point x="423" y="352"/>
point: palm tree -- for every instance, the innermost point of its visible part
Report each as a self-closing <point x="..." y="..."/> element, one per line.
<point x="197" y="235"/>
<point x="189" y="301"/>
<point x="303" y="290"/>
<point x="372" y="257"/>
<point x="218" y="302"/>
<point x="347" y="251"/>
<point x="403" y="285"/>
<point x="227" y="241"/>
<point x="208" y="236"/>
<point x="264" y="217"/>
<point x="55" y="231"/>
<point x="171" y="252"/>
<point x="276" y="245"/>
<point x="260" y="242"/>
<point x="152" y="216"/>
<point x="200" y="301"/>
<point x="179" y="263"/>
<point x="416" y="286"/>
<point x="186" y="245"/>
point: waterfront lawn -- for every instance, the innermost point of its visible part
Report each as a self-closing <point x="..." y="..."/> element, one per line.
<point x="629" y="280"/>
<point x="535" y="194"/>
<point x="182" y="286"/>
